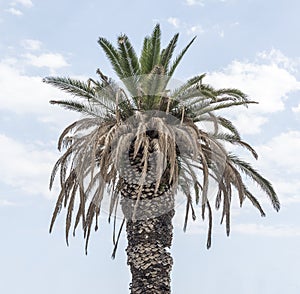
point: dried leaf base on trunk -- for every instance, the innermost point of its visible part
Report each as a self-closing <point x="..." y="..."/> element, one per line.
<point x="150" y="262"/>
<point x="148" y="238"/>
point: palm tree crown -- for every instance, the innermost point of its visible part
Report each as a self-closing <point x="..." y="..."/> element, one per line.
<point x="145" y="117"/>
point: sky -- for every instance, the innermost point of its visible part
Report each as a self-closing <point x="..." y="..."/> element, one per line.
<point x="252" y="45"/>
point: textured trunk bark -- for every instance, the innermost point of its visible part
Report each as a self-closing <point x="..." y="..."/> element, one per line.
<point x="149" y="233"/>
<point x="148" y="225"/>
<point x="150" y="262"/>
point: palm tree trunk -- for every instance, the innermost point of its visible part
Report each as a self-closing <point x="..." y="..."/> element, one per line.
<point x="150" y="262"/>
<point x="149" y="213"/>
<point x="149" y="236"/>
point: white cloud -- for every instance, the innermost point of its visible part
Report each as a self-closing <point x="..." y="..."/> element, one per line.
<point x="282" y="152"/>
<point x="6" y="203"/>
<point x="267" y="231"/>
<point x="28" y="94"/>
<point x="156" y="20"/>
<point x="198" y="29"/>
<point x="222" y="33"/>
<point x="14" y="11"/>
<point x="174" y="21"/>
<point x="219" y="30"/>
<point x="194" y="2"/>
<point x="190" y="29"/>
<point x="26" y="3"/>
<point x="236" y="23"/>
<point x="31" y="45"/>
<point x="288" y="189"/>
<point x="50" y="60"/>
<point x="279" y="159"/>
<point x="277" y="57"/>
<point x="200" y="2"/>
<point x="296" y="109"/>
<point x="249" y="123"/>
<point x="27" y="166"/>
<point x="21" y="93"/>
<point x="268" y="83"/>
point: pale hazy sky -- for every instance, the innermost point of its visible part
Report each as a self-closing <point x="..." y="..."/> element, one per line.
<point x="253" y="45"/>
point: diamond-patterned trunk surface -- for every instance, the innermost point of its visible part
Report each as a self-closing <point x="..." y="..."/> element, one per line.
<point x="150" y="233"/>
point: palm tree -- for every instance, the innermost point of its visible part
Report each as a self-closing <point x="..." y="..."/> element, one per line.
<point x="144" y="142"/>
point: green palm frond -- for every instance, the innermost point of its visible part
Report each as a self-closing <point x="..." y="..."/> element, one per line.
<point x="128" y="58"/>
<point x="232" y="92"/>
<point x="83" y="108"/>
<point x="191" y="82"/>
<point x="72" y="86"/>
<point x="145" y="60"/>
<point x="217" y="106"/>
<point x="254" y="201"/>
<point x="155" y="46"/>
<point x="82" y="90"/>
<point x="167" y="53"/>
<point x="176" y="62"/>
<point x="150" y="55"/>
<point x="227" y="124"/>
<point x="190" y="96"/>
<point x="153" y="87"/>
<point x="263" y="183"/>
<point x="234" y="140"/>
<point x="113" y="56"/>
